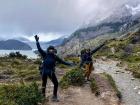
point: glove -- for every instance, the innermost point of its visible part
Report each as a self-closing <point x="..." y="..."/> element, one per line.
<point x="36" y="38"/>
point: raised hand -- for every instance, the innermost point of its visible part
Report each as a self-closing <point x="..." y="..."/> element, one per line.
<point x="36" y="38"/>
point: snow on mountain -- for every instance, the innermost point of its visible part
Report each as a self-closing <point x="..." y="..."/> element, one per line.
<point x="134" y="10"/>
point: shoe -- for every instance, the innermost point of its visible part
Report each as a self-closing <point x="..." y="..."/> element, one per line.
<point x="55" y="99"/>
<point x="88" y="80"/>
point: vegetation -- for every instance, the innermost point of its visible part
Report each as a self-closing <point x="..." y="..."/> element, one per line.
<point x="126" y="49"/>
<point x="17" y="68"/>
<point x="113" y="84"/>
<point x="74" y="77"/>
<point x="20" y="94"/>
<point x="22" y="72"/>
<point x="17" y="55"/>
<point x="75" y="60"/>
<point x="94" y="87"/>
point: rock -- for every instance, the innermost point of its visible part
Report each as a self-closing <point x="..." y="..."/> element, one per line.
<point x="104" y="58"/>
<point x="139" y="92"/>
<point x="122" y="72"/>
<point x="132" y="78"/>
<point x="136" y="87"/>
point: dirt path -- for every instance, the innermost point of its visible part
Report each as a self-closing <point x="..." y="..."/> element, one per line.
<point x="77" y="96"/>
<point x="81" y="95"/>
<point x="73" y="95"/>
<point x="129" y="87"/>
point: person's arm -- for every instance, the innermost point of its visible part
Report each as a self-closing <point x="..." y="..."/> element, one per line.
<point x="81" y="64"/>
<point x="82" y="60"/>
<point x="41" y="51"/>
<point x="97" y="48"/>
<point x="62" y="61"/>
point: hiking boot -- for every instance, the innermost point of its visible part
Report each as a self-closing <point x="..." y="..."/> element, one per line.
<point x="89" y="80"/>
<point x="55" y="99"/>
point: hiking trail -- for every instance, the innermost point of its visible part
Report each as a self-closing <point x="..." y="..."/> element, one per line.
<point x="127" y="84"/>
<point x="79" y="95"/>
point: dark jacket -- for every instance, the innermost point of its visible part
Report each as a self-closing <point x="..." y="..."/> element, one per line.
<point x="87" y="57"/>
<point x="49" y="60"/>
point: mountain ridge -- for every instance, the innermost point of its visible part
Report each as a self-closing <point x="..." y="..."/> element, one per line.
<point x="111" y="27"/>
<point x="13" y="44"/>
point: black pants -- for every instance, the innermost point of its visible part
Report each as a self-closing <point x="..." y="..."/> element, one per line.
<point x="54" y="81"/>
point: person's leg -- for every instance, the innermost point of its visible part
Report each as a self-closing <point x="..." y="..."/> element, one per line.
<point x="90" y="70"/>
<point x="86" y="70"/>
<point x="55" y="82"/>
<point x="44" y="83"/>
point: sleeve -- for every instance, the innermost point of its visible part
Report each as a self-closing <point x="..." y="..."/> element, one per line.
<point x="81" y="64"/>
<point x="82" y="60"/>
<point x="96" y="49"/>
<point x="62" y="61"/>
<point x="42" y="52"/>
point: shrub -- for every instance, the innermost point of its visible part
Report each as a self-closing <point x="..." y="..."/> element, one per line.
<point x="22" y="94"/>
<point x="38" y="61"/>
<point x="74" y="77"/>
<point x="17" y="55"/>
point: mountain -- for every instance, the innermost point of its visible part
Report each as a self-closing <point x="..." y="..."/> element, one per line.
<point x="14" y="45"/>
<point x="55" y="42"/>
<point x="44" y="45"/>
<point x="120" y="22"/>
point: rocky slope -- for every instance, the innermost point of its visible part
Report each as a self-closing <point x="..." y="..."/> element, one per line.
<point x="122" y="21"/>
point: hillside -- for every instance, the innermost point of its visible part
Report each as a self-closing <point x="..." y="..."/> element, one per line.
<point x="121" y="22"/>
<point x="126" y="49"/>
<point x="14" y="45"/>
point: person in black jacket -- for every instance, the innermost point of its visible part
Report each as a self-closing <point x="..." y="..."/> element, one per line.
<point x="48" y="67"/>
<point x="86" y="60"/>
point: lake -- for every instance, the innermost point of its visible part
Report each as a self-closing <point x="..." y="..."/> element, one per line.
<point x="28" y="53"/>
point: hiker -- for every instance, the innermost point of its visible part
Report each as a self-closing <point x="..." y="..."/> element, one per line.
<point x="82" y="56"/>
<point x="48" y="67"/>
<point x="41" y="64"/>
<point x="86" y="60"/>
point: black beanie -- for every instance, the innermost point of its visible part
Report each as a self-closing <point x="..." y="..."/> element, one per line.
<point x="50" y="48"/>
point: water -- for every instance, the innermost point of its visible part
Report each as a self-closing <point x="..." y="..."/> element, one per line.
<point x="28" y="53"/>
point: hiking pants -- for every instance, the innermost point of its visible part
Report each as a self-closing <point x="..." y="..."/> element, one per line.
<point x="54" y="81"/>
<point x="88" y="69"/>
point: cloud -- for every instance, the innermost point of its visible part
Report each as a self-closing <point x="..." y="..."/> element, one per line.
<point x="45" y="37"/>
<point x="29" y="17"/>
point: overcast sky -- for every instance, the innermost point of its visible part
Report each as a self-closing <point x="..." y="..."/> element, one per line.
<point x="51" y="19"/>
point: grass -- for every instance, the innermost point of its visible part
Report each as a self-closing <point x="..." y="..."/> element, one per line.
<point x="19" y="68"/>
<point x="94" y="87"/>
<point x="22" y="71"/>
<point x="125" y="51"/>
<point x="113" y="84"/>
<point x="75" y="60"/>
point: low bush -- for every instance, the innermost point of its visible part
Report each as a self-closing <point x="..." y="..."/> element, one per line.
<point x="17" y="55"/>
<point x="20" y="94"/>
<point x="74" y="77"/>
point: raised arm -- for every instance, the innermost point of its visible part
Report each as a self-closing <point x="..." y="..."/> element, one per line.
<point x="97" y="48"/>
<point x="62" y="61"/>
<point x="41" y="51"/>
